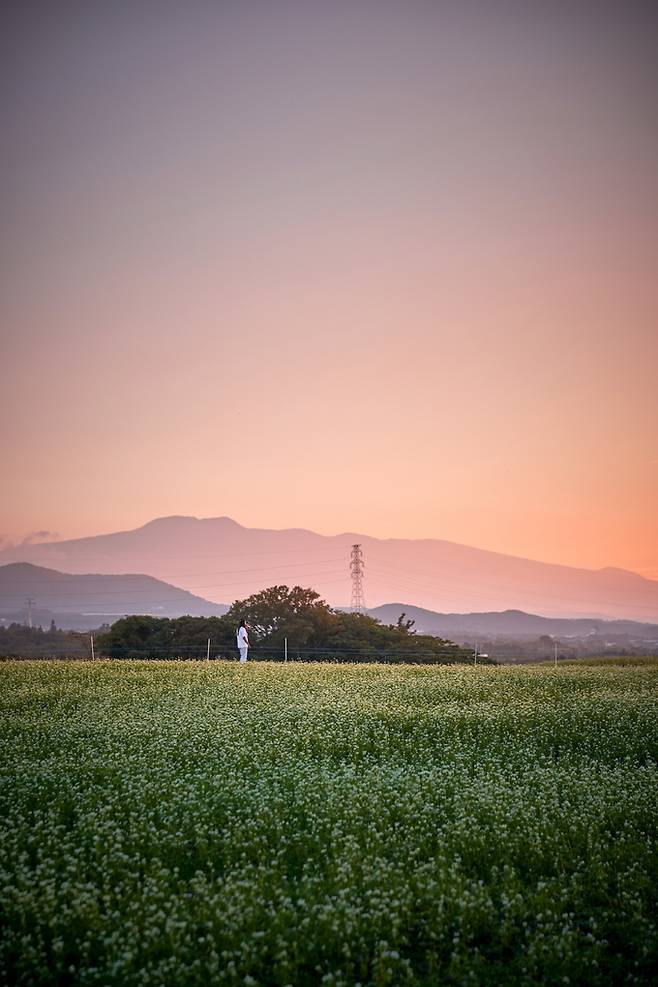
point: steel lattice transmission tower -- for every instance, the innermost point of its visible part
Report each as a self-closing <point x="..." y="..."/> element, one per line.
<point x="356" y="572"/>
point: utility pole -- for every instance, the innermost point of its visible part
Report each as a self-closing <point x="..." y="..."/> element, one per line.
<point x="356" y="572"/>
<point x="29" y="603"/>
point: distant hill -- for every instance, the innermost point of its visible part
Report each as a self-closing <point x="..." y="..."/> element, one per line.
<point x="223" y="560"/>
<point x="84" y="601"/>
<point x="509" y="624"/>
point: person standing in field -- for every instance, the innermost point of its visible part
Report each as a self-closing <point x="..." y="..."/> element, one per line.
<point x="243" y="641"/>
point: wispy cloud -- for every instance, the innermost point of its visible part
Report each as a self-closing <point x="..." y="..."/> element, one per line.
<point x="40" y="536"/>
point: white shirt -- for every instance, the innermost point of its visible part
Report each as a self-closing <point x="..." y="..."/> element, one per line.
<point x="243" y="639"/>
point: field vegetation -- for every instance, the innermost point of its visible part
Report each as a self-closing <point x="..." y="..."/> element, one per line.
<point x="198" y="823"/>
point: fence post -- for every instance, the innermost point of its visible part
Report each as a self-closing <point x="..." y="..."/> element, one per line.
<point x="285" y="649"/>
<point x="91" y="638"/>
<point x="208" y="652"/>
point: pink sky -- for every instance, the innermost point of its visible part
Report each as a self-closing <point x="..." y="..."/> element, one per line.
<point x="379" y="267"/>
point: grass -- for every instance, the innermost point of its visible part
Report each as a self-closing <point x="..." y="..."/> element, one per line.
<point x="196" y="824"/>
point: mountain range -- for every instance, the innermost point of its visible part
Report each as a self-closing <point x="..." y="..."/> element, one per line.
<point x="81" y="602"/>
<point x="512" y="624"/>
<point x="84" y="602"/>
<point x="222" y="561"/>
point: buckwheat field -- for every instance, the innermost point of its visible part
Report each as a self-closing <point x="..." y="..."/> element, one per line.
<point x="204" y="823"/>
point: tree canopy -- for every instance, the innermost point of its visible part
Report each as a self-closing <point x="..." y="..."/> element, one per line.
<point x="160" y="637"/>
<point x="313" y="630"/>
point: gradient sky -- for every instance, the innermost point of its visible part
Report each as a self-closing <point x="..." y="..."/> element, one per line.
<point x="369" y="266"/>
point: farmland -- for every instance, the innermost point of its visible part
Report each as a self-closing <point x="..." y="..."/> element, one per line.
<point x="198" y="823"/>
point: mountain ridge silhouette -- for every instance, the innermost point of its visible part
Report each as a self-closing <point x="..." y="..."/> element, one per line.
<point x="220" y="559"/>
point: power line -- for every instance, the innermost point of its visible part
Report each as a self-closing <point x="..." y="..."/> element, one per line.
<point x="133" y="592"/>
<point x="54" y="546"/>
<point x="272" y="651"/>
<point x="213" y="572"/>
<point x="160" y="603"/>
<point x="418" y="580"/>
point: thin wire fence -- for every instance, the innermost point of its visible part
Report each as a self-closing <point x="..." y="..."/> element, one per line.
<point x="278" y="653"/>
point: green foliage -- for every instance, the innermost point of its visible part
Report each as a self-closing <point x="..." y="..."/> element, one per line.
<point x="315" y="631"/>
<point x="215" y="824"/>
<point x="158" y="637"/>
<point x="278" y="612"/>
<point x="405" y="625"/>
<point x="19" y="641"/>
<point x="360" y="636"/>
<point x="143" y="635"/>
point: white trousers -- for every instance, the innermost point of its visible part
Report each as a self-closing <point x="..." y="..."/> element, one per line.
<point x="243" y="654"/>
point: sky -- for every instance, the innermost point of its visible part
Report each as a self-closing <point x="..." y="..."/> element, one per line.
<point x="371" y="266"/>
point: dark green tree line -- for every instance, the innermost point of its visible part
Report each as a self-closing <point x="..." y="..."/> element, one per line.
<point x="313" y="630"/>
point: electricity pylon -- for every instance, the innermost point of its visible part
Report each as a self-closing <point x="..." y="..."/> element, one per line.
<point x="356" y="572"/>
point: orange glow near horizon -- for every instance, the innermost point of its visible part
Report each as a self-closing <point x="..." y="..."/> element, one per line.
<point x="386" y="270"/>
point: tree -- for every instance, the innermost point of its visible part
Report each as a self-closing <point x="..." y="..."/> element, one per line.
<point x="24" y="642"/>
<point x="405" y="625"/>
<point x="314" y="632"/>
<point x="139" y="635"/>
<point x="158" y="637"/>
<point x="191" y="634"/>
<point x="357" y="636"/>
<point x="546" y="643"/>
<point x="278" y="612"/>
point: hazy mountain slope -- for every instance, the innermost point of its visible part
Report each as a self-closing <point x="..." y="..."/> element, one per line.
<point x="509" y="623"/>
<point x="101" y="597"/>
<point x="221" y="560"/>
